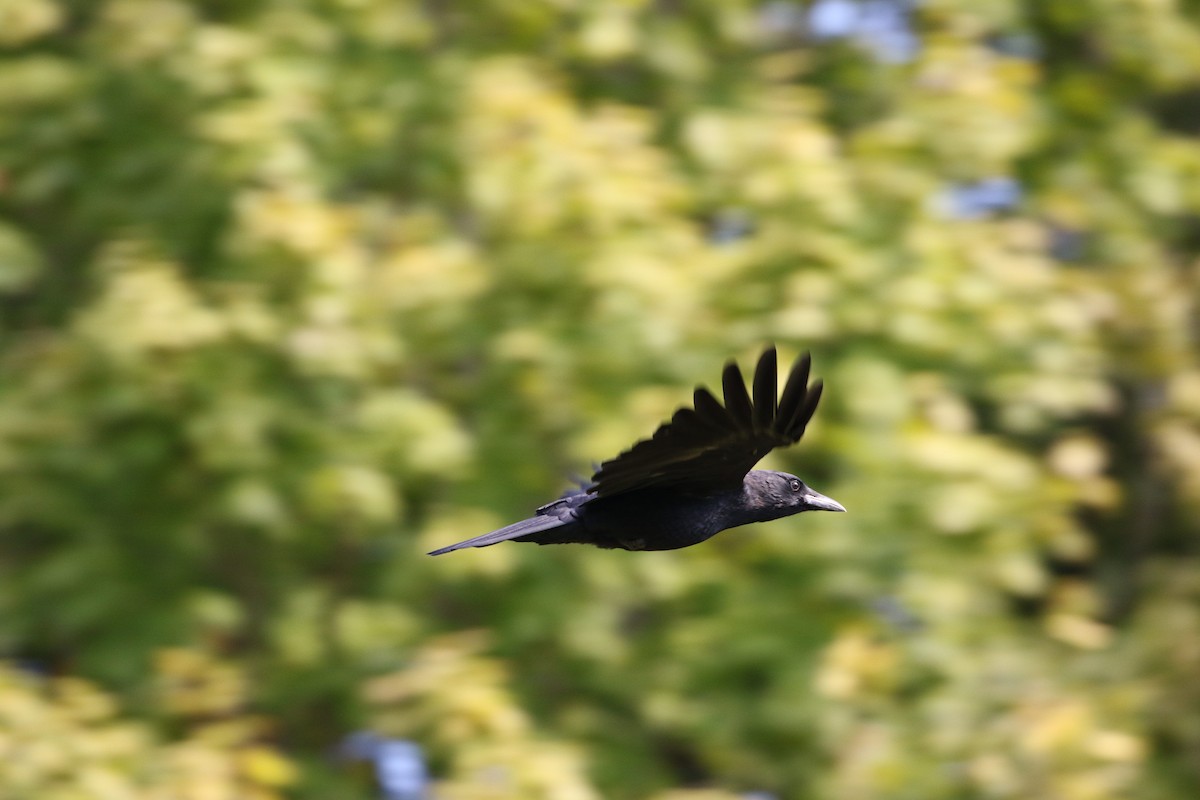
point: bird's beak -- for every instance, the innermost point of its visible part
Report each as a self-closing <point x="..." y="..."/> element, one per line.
<point x="820" y="502"/>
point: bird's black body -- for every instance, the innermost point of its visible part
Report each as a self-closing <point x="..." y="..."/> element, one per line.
<point x="693" y="478"/>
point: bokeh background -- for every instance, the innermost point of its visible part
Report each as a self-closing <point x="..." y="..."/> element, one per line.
<point x="293" y="291"/>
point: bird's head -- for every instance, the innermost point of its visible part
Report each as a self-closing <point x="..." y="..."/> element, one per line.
<point x="772" y="495"/>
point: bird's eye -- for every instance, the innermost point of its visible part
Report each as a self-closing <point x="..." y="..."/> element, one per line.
<point x="796" y="485"/>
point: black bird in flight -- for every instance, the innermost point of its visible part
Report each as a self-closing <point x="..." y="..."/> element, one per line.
<point x="693" y="478"/>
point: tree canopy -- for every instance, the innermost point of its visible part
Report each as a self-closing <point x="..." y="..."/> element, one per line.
<point x="293" y="291"/>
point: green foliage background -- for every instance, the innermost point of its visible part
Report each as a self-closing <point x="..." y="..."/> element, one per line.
<point x="296" y="290"/>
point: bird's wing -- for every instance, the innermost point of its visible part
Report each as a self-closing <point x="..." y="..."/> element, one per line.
<point x="710" y="446"/>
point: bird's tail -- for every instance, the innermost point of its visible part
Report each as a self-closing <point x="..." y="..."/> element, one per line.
<point x="517" y="529"/>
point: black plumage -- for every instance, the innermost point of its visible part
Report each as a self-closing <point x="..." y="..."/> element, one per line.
<point x="694" y="477"/>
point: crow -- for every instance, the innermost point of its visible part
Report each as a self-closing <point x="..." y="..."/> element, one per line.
<point x="693" y="478"/>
